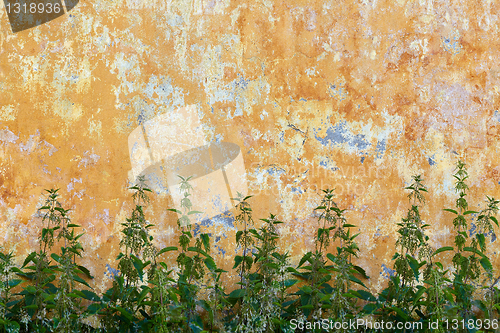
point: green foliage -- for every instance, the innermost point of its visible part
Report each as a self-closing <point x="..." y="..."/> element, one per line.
<point x="180" y="288"/>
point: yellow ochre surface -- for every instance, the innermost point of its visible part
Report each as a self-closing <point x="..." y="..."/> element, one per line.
<point x="353" y="95"/>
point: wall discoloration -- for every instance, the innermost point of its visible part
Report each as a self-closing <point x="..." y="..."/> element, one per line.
<point x="358" y="96"/>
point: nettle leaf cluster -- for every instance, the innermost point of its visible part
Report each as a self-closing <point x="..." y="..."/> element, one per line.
<point x="181" y="288"/>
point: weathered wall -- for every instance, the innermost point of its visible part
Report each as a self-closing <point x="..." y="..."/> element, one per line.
<point x="357" y="95"/>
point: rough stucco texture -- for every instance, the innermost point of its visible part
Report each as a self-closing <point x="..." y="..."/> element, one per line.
<point x="356" y="95"/>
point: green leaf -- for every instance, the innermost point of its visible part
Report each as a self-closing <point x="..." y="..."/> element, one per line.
<point x="237" y="261"/>
<point x="419" y="294"/>
<point x="476" y="251"/>
<point x="305" y="258"/>
<point x="470" y="212"/>
<point x="14" y="282"/>
<point x="451" y="211"/>
<point x="82" y="281"/>
<point x="481" y="239"/>
<point x="400" y="313"/>
<point x="414" y="265"/>
<point x="356" y="280"/>
<point x="90" y="295"/>
<point x="361" y="271"/>
<point x="370" y="308"/>
<point x="124" y="313"/>
<point x="306" y="289"/>
<point x="237" y="293"/>
<point x="85" y="271"/>
<point x="94" y="308"/>
<point x="198" y="250"/>
<point x="485" y="262"/>
<point x="494" y="219"/>
<point x="210" y="263"/>
<point x="29" y="258"/>
<point x="206" y="241"/>
<point x="248" y="261"/>
<point x="167" y="249"/>
<point x="365" y="295"/>
<point x="443" y="249"/>
<point x="238" y="236"/>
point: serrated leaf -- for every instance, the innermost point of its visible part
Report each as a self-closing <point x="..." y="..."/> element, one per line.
<point x="167" y="249"/>
<point x="356" y="280"/>
<point x="365" y="295"/>
<point x="237" y="261"/>
<point x="481" y="239"/>
<point x="361" y="271"/>
<point x="414" y="265"/>
<point x="306" y="289"/>
<point x="443" y="249"/>
<point x="29" y="258"/>
<point x="237" y="293"/>
<point x="419" y="294"/>
<point x="485" y="262"/>
<point x="210" y="263"/>
<point x="305" y="258"/>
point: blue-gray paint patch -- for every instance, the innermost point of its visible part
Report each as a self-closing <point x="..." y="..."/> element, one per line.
<point x="275" y="171"/>
<point x="111" y="272"/>
<point x="387" y="271"/>
<point x="282" y="137"/>
<point x="196" y="229"/>
<point x="431" y="161"/>
<point x="380" y="149"/>
<point x="220" y="250"/>
<point x="340" y="134"/>
<point x="496" y="115"/>
<point x="226" y="219"/>
<point x="472" y="230"/>
<point x="452" y="45"/>
<point x="362" y="159"/>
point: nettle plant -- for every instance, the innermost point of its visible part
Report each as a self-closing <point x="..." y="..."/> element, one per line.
<point x="194" y="262"/>
<point x="470" y="260"/>
<point x="402" y="297"/>
<point x="186" y="293"/>
<point x="326" y="291"/>
<point x="51" y="300"/>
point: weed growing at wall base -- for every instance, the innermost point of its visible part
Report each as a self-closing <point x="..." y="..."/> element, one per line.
<point x="323" y="292"/>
